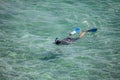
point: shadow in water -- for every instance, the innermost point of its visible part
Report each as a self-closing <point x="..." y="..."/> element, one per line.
<point x="50" y="55"/>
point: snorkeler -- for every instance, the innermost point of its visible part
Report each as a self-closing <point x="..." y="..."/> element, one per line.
<point x="69" y="39"/>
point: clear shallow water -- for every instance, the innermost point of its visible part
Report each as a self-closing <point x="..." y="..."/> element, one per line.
<point x="28" y="28"/>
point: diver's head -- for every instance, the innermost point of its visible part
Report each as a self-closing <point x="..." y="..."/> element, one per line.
<point x="57" y="42"/>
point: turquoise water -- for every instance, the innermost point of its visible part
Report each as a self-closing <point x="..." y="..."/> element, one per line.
<point x="29" y="27"/>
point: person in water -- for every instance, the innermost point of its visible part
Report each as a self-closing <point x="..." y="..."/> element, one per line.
<point x="69" y="39"/>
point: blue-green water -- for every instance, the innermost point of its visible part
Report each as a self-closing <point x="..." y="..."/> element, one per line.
<point x="29" y="27"/>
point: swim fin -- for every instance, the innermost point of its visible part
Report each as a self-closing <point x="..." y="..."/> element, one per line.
<point x="92" y="30"/>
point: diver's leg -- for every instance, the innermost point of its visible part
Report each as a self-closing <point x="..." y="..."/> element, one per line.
<point x="82" y="34"/>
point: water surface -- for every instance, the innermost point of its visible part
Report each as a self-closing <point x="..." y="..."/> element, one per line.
<point x="29" y="27"/>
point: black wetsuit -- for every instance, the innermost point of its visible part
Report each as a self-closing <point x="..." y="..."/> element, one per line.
<point x="68" y="40"/>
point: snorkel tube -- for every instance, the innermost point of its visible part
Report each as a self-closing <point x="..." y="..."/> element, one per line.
<point x="56" y="39"/>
